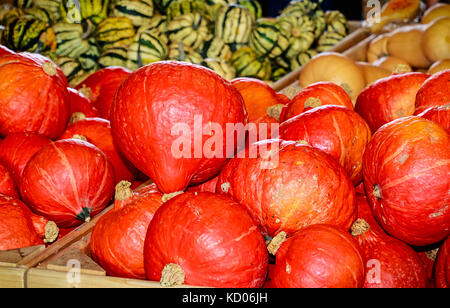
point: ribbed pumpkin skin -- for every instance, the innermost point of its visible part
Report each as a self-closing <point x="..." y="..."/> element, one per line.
<point x="16" y="225"/>
<point x="68" y="181"/>
<point x="327" y="92"/>
<point x="389" y="99"/>
<point x="434" y="92"/>
<point x="98" y="132"/>
<point x="400" y="167"/>
<point x="318" y="256"/>
<point x="211" y="237"/>
<point x="17" y="149"/>
<point x="80" y="103"/>
<point x="7" y="184"/>
<point x="393" y="264"/>
<point x="103" y="85"/>
<point x="117" y="241"/>
<point x="4" y="51"/>
<point x="172" y="93"/>
<point x="438" y="114"/>
<point x="442" y="266"/>
<point x="31" y="99"/>
<point x="336" y="130"/>
<point x="292" y="187"/>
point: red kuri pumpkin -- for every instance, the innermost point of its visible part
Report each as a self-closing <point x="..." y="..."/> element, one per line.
<point x="406" y="169"/>
<point x="317" y="256"/>
<point x="33" y="98"/>
<point x="98" y="132"/>
<point x="68" y="181"/>
<point x="79" y="103"/>
<point x="7" y="184"/>
<point x="389" y="99"/>
<point x="117" y="241"/>
<point x="286" y="185"/>
<point x="169" y="119"/>
<point x="438" y="114"/>
<point x="390" y="263"/>
<point x="19" y="227"/>
<point x="5" y="51"/>
<point x="17" y="149"/>
<point x="205" y="239"/>
<point x="442" y="266"/>
<point x="209" y="186"/>
<point x="336" y="130"/>
<point x="315" y="95"/>
<point x="100" y="88"/>
<point x="434" y="92"/>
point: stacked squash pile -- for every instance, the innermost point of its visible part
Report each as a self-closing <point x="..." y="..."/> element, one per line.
<point x="229" y="36"/>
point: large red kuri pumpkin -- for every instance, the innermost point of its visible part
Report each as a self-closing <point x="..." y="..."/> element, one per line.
<point x="68" y="181"/>
<point x="170" y="120"/>
<point x="406" y="169"/>
<point x="438" y="114"/>
<point x="289" y="186"/>
<point x="19" y="227"/>
<point x="434" y="92"/>
<point x="17" y="149"/>
<point x="98" y="132"/>
<point x="389" y="98"/>
<point x="205" y="239"/>
<point x="7" y="184"/>
<point x="317" y="256"/>
<point x="79" y="103"/>
<point x="337" y="130"/>
<point x="100" y="88"/>
<point x="209" y="186"/>
<point x="117" y="241"/>
<point x="33" y="97"/>
<point x="390" y="263"/>
<point x="315" y="95"/>
<point x="5" y="51"/>
<point x="442" y="266"/>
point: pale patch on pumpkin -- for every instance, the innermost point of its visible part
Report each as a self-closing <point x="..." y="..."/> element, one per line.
<point x="77" y="116"/>
<point x="167" y="197"/>
<point x="288" y="268"/>
<point x="225" y="187"/>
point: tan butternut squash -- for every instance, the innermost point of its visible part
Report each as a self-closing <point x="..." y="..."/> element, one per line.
<point x="439" y="66"/>
<point x="436" y="40"/>
<point x="372" y="72"/>
<point x="394" y="65"/>
<point x="377" y="48"/>
<point x="436" y="11"/>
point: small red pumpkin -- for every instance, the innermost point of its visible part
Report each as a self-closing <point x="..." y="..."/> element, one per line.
<point x="170" y="120"/>
<point x="117" y="240"/>
<point x="98" y="132"/>
<point x="79" y="103"/>
<point x="100" y="88"/>
<point x="438" y="114"/>
<point x="205" y="239"/>
<point x="390" y="263"/>
<point x="209" y="186"/>
<point x="336" y="130"/>
<point x="315" y="95"/>
<point x="19" y="227"/>
<point x="401" y="165"/>
<point x="434" y="92"/>
<point x="17" y="149"/>
<point x="5" y="51"/>
<point x="68" y="181"/>
<point x="317" y="256"/>
<point x="33" y="98"/>
<point x="389" y="98"/>
<point x="286" y="185"/>
<point x="7" y="184"/>
<point x="442" y="266"/>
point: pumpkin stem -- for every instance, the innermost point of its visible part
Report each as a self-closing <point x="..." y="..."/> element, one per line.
<point x="123" y="193"/>
<point x="49" y="68"/>
<point x="312" y="102"/>
<point x="51" y="232"/>
<point x="359" y="227"/>
<point x="79" y="137"/>
<point x="86" y="92"/>
<point x="432" y="254"/>
<point x="172" y="274"/>
<point x="377" y="191"/>
<point x="85" y="214"/>
<point x="225" y="187"/>
<point x="167" y="197"/>
<point x="304" y="142"/>
<point x="276" y="242"/>
<point x="77" y="116"/>
<point x="275" y="111"/>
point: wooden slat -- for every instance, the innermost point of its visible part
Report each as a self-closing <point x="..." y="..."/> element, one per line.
<point x="11" y="258"/>
<point x="12" y="277"/>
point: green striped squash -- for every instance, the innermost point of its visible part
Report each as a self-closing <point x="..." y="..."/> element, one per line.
<point x="23" y="4"/>
<point x="278" y="73"/>
<point x="114" y="56"/>
<point x="302" y="58"/>
<point x="253" y="6"/>
<point x="190" y="29"/>
<point x="247" y="64"/>
<point x="221" y="67"/>
<point x="267" y="40"/>
<point x="24" y="33"/>
<point x="300" y="8"/>
<point x="75" y="11"/>
<point x="234" y="24"/>
<point x="180" y="52"/>
<point x="336" y="22"/>
<point x="71" y="39"/>
<point x="89" y="59"/>
<point x="147" y="48"/>
<point x="138" y="11"/>
<point x="300" y="32"/>
<point x="41" y="14"/>
<point x="283" y="61"/>
<point x="70" y="67"/>
<point x="162" y="5"/>
<point x="214" y="6"/>
<point x="183" y="7"/>
<point x="7" y="13"/>
<point x="328" y="40"/>
<point x="215" y="49"/>
<point x="114" y="31"/>
<point x="157" y="23"/>
<point x="52" y="6"/>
